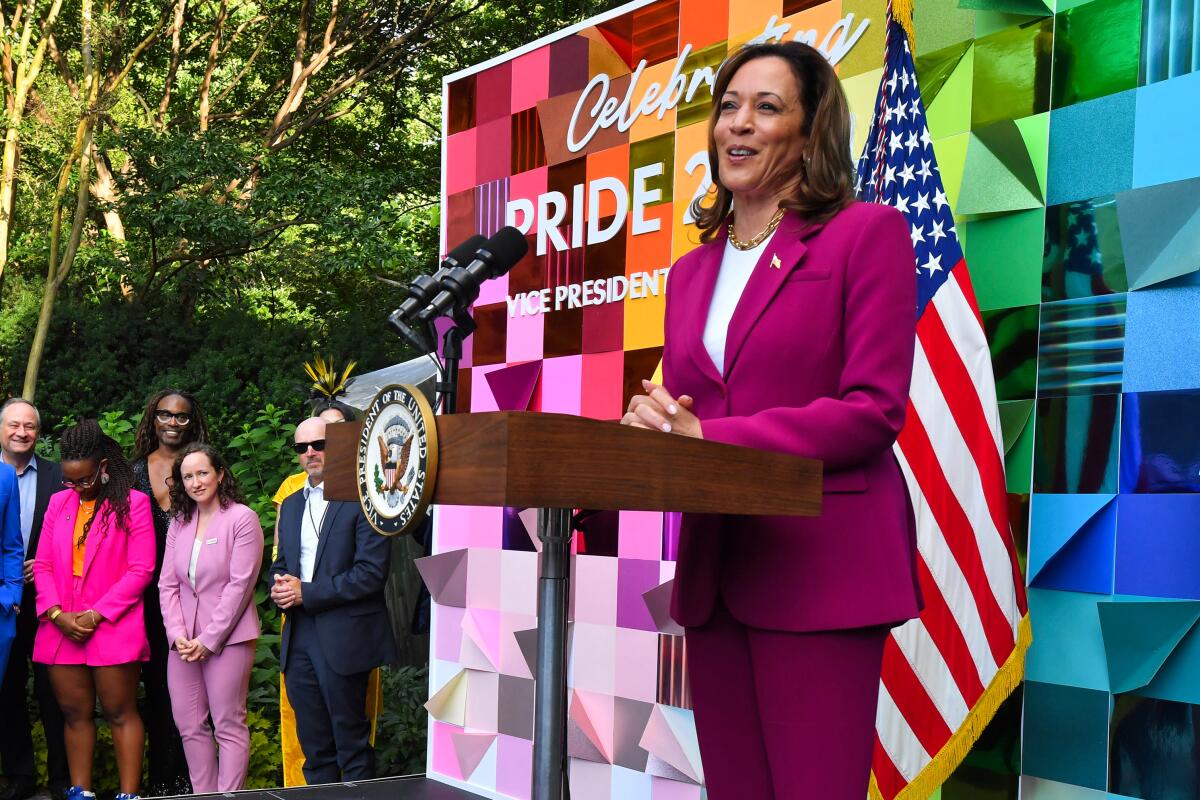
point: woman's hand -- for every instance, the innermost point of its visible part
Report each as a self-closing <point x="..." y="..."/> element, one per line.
<point x="657" y="410"/>
<point x="183" y="646"/>
<point x="193" y="650"/>
<point x="69" y="623"/>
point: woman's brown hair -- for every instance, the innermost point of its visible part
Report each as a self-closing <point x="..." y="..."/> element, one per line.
<point x="182" y="505"/>
<point x="828" y="171"/>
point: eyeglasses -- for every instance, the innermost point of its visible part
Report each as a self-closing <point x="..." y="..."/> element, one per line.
<point x="302" y="447"/>
<point x="164" y="416"/>
<point x="87" y="484"/>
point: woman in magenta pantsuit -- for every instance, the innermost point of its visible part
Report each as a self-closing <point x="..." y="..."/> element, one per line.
<point x="94" y="561"/>
<point x="791" y="329"/>
<point x="214" y="551"/>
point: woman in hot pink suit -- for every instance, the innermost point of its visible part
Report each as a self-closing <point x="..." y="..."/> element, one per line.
<point x="791" y="329"/>
<point x="214" y="551"/>
<point x="94" y="561"/>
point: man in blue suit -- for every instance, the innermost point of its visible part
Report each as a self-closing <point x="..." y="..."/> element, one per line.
<point x="11" y="552"/>
<point x="329" y="577"/>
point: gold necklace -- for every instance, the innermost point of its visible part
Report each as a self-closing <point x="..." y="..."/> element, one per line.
<point x="757" y="240"/>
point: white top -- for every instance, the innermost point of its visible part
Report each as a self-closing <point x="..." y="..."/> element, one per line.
<point x="196" y="545"/>
<point x="736" y="268"/>
<point x="315" y="506"/>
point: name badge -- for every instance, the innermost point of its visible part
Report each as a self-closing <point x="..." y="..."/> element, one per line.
<point x="211" y="541"/>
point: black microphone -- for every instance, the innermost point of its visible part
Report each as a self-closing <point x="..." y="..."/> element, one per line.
<point x="461" y="286"/>
<point x="426" y="287"/>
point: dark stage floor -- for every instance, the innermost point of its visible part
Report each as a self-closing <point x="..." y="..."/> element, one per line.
<point x="412" y="787"/>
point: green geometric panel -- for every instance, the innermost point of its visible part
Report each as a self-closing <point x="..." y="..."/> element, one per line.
<point x="946" y="89"/>
<point x="1027" y="8"/>
<point x="940" y="23"/>
<point x="1035" y="132"/>
<point x="660" y="150"/>
<point x="867" y="53"/>
<point x="1004" y="254"/>
<point x="999" y="174"/>
<point x="1096" y="50"/>
<point x="1139" y="637"/>
<point x="1012" y="73"/>
<point x="951" y="154"/>
<point x="1012" y="335"/>
<point x="1017" y="421"/>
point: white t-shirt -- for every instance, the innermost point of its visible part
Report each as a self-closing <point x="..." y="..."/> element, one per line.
<point x="736" y="268"/>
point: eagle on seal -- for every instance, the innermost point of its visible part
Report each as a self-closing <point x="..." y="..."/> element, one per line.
<point x="394" y="454"/>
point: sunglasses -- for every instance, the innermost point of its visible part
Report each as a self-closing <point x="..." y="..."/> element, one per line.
<point x="302" y="447"/>
<point x="164" y="416"/>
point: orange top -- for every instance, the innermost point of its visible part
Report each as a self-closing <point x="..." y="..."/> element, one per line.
<point x="87" y="509"/>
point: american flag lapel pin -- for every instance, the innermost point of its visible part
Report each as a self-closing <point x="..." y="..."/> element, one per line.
<point x="775" y="262"/>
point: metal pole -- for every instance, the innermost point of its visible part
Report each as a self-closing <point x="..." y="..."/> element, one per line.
<point x="550" y="687"/>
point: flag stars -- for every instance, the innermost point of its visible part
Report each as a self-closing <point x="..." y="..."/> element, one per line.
<point x="926" y="139"/>
<point x="901" y="204"/>
<point x="936" y="232"/>
<point x="918" y="236"/>
<point x="933" y="264"/>
<point x="939" y="199"/>
<point x="894" y="142"/>
<point x="906" y="174"/>
<point x="911" y="141"/>
<point x="889" y="175"/>
<point x="924" y="171"/>
<point x="922" y="203"/>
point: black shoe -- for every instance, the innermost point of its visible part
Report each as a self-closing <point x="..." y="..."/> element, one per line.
<point x="16" y="788"/>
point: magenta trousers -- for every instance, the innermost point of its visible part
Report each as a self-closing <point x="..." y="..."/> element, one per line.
<point x="218" y="687"/>
<point x="784" y="715"/>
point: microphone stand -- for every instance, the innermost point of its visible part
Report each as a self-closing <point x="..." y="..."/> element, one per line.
<point x="452" y="344"/>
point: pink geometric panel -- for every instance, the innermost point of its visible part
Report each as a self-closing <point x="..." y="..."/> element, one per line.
<point x="562" y="380"/>
<point x="483" y="579"/>
<point x="512" y="657"/>
<point x="635" y="577"/>
<point x="527" y="186"/>
<point x="493" y="291"/>
<point x="530" y="79"/>
<point x="641" y="535"/>
<point x="512" y="387"/>
<point x="594" y="659"/>
<point x="658" y="605"/>
<point x="493" y="158"/>
<point x="518" y="582"/>
<point x="492" y="91"/>
<point x="452" y="527"/>
<point x="661" y="789"/>
<point x="603" y="379"/>
<point x="666" y="737"/>
<point x="514" y="766"/>
<point x="460" y="162"/>
<point x="445" y="758"/>
<point x="483" y="700"/>
<point x="470" y="748"/>
<point x="443" y="324"/>
<point x="526" y="335"/>
<point x="482" y="398"/>
<point x="446" y="576"/>
<point x="590" y="780"/>
<point x="594" y="590"/>
<point x="481" y="628"/>
<point x="529" y="518"/>
<point x="637" y="653"/>
<point x="590" y="726"/>
<point x="448" y="633"/>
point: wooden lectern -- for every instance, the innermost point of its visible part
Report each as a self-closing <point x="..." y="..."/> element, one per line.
<point x="558" y="463"/>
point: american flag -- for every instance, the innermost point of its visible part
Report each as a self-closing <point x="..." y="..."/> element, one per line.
<point x="944" y="674"/>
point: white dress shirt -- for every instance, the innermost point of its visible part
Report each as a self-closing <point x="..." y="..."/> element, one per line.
<point x="315" y="506"/>
<point x="736" y="268"/>
<point x="196" y="545"/>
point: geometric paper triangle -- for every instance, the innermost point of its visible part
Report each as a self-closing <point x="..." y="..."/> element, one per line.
<point x="1014" y="416"/>
<point x="1035" y="132"/>
<point x="449" y="704"/>
<point x="527" y="641"/>
<point x="1160" y="235"/>
<point x="998" y="175"/>
<point x="592" y="716"/>
<point x="672" y="743"/>
<point x="934" y="69"/>
<point x="445" y="575"/>
<point x="1085" y="562"/>
<point x="1030" y="8"/>
<point x="951" y="152"/>
<point x="629" y="723"/>
<point x="470" y="748"/>
<point x="512" y="387"/>
<point x="661" y="769"/>
<point x="484" y="634"/>
<point x="1176" y="680"/>
<point x="529" y="518"/>
<point x="948" y="111"/>
<point x="1055" y="519"/>
<point x="1139" y="636"/>
<point x="658" y="603"/>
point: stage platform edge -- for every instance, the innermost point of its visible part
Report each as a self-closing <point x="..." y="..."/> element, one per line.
<point x="407" y="787"/>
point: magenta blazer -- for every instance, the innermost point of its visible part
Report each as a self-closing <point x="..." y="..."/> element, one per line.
<point x="817" y="364"/>
<point x="219" y="609"/>
<point x="118" y="566"/>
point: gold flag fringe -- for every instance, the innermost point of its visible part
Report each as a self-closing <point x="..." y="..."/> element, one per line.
<point x="902" y="12"/>
<point x="954" y="751"/>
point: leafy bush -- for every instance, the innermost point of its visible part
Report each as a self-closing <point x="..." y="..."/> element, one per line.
<point x="400" y="733"/>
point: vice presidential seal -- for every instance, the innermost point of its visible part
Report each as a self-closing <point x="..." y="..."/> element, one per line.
<point x="397" y="459"/>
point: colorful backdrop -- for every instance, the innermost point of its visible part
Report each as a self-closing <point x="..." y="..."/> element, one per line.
<point x="1066" y="142"/>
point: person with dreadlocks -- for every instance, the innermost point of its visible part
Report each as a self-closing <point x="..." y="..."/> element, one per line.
<point x="172" y="421"/>
<point x="94" y="560"/>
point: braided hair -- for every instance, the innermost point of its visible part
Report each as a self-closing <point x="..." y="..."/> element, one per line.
<point x="145" y="439"/>
<point x="228" y="492"/>
<point x="86" y="441"/>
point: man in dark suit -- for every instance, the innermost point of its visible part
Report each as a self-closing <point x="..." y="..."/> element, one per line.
<point x="37" y="479"/>
<point x="329" y="577"/>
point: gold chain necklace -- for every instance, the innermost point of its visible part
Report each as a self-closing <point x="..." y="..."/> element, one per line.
<point x="757" y="240"/>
